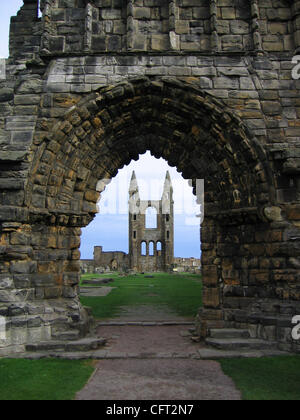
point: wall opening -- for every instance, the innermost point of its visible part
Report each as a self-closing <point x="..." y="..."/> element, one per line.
<point x="194" y="133"/>
<point x="144" y="249"/>
<point x="151" y="218"/>
<point x="159" y="249"/>
<point x="151" y="249"/>
<point x="110" y="227"/>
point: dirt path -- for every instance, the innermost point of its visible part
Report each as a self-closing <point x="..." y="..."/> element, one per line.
<point x="156" y="379"/>
<point x="168" y="380"/>
<point x="133" y="339"/>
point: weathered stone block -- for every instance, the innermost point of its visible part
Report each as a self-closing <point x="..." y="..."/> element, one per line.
<point x="26" y="267"/>
<point x="210" y="276"/>
<point x="211" y="297"/>
<point x="52" y="292"/>
<point x="6" y="282"/>
<point x="6" y="94"/>
<point x="31" y="86"/>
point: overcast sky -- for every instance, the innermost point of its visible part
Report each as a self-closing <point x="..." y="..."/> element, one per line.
<point x="110" y="227"/>
<point x="8" y="8"/>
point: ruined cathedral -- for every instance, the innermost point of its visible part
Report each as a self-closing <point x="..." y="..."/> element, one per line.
<point x="151" y="248"/>
<point x="151" y="245"/>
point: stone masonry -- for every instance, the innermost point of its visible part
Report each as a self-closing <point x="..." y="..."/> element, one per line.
<point x="206" y="84"/>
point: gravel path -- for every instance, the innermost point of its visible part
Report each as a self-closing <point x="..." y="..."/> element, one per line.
<point x="133" y="339"/>
<point x="159" y="380"/>
<point x="156" y="379"/>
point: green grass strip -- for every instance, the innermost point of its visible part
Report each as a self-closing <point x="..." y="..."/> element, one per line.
<point x="270" y="379"/>
<point x="181" y="293"/>
<point x="42" y="380"/>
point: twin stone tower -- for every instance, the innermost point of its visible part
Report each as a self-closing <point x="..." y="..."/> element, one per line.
<point x="151" y="247"/>
<point x="151" y="235"/>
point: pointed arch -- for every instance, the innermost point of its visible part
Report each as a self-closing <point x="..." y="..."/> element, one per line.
<point x="191" y="130"/>
<point x="173" y="119"/>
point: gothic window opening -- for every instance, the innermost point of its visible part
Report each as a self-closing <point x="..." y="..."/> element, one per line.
<point x="144" y="249"/>
<point x="159" y="249"/>
<point x="151" y="218"/>
<point x="151" y="249"/>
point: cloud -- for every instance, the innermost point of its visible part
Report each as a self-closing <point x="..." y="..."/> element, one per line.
<point x="7" y="9"/>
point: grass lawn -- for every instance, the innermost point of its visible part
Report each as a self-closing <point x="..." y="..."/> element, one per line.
<point x="40" y="380"/>
<point x="275" y="378"/>
<point x="181" y="293"/>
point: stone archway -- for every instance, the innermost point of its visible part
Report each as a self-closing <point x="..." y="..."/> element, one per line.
<point x="193" y="131"/>
<point x="114" y="265"/>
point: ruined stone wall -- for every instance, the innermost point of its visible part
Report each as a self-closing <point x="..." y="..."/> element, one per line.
<point x="212" y="93"/>
<point x="87" y="266"/>
<point x="116" y="261"/>
<point x="192" y="265"/>
<point x="158" y="25"/>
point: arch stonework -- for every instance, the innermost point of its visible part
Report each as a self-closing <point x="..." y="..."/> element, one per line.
<point x="73" y="116"/>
